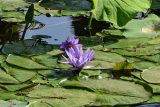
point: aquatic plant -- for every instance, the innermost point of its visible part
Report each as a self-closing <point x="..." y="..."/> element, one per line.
<point x="69" y="43"/>
<point x="77" y="58"/>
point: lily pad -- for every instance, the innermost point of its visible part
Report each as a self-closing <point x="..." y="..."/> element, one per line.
<point x="20" y="74"/>
<point x="129" y="43"/>
<point x="24" y="62"/>
<point x="60" y="97"/>
<point x="148" y="27"/>
<point x="152" y="75"/>
<point x="6" y="78"/>
<point x="113" y="91"/>
<point x="46" y="60"/>
<point x="27" y="47"/>
<point x="142" y="65"/>
<point x="13" y="103"/>
<point x="109" y="57"/>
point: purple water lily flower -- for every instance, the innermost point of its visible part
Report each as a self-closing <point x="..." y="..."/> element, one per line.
<point x="77" y="58"/>
<point x="69" y="43"/>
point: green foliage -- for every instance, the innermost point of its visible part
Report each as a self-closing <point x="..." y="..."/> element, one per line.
<point x="13" y="103"/>
<point x="119" y="12"/>
<point x="152" y="75"/>
<point x="113" y="91"/>
<point x="23" y="62"/>
<point x="147" y="27"/>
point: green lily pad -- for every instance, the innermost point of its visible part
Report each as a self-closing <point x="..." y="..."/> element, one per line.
<point x="13" y="103"/>
<point x="20" y="74"/>
<point x="108" y="57"/>
<point x="16" y="87"/>
<point x="154" y="99"/>
<point x="23" y="62"/>
<point x="93" y="42"/>
<point x="113" y="91"/>
<point x="147" y="27"/>
<point x="129" y="43"/>
<point x="98" y="64"/>
<point x="142" y="65"/>
<point x="153" y="58"/>
<point x="60" y="97"/>
<point x="152" y="75"/>
<point x="27" y="47"/>
<point x="6" y="78"/>
<point x="46" y="60"/>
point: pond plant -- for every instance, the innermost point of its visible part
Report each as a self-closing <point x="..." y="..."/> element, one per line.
<point x="75" y="54"/>
<point x="124" y="68"/>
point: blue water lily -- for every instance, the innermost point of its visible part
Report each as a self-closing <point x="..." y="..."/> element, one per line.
<point x="77" y="58"/>
<point x="70" y="42"/>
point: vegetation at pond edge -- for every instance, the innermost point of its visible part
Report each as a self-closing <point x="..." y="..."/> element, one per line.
<point x="116" y="67"/>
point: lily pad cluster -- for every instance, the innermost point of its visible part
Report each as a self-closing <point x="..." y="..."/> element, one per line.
<point x="41" y="81"/>
<point x="15" y="10"/>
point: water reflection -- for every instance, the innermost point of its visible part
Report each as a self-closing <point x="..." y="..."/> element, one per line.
<point x="60" y="28"/>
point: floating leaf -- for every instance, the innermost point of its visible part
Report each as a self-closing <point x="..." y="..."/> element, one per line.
<point x="98" y="64"/>
<point x="27" y="47"/>
<point x="6" y="95"/>
<point x="154" y="99"/>
<point x="16" y="87"/>
<point x="20" y="74"/>
<point x="41" y="37"/>
<point x="129" y="43"/>
<point x="91" y="72"/>
<point x="23" y="62"/>
<point x="46" y="60"/>
<point x="109" y="57"/>
<point x="61" y="97"/>
<point x="12" y="103"/>
<point x="148" y="27"/>
<point x="6" y="78"/>
<point x="151" y="75"/>
<point x="113" y="91"/>
<point x="153" y="58"/>
<point x="93" y="42"/>
<point x="142" y="65"/>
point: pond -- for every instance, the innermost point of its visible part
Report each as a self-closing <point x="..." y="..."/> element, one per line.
<point x="79" y="53"/>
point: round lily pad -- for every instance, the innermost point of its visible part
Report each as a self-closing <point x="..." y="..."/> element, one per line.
<point x="152" y="75"/>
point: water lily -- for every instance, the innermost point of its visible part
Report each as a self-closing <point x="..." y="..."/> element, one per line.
<point x="77" y="58"/>
<point x="69" y="43"/>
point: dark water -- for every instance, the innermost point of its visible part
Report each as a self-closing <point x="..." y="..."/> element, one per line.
<point x="60" y="28"/>
<point x="149" y="105"/>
